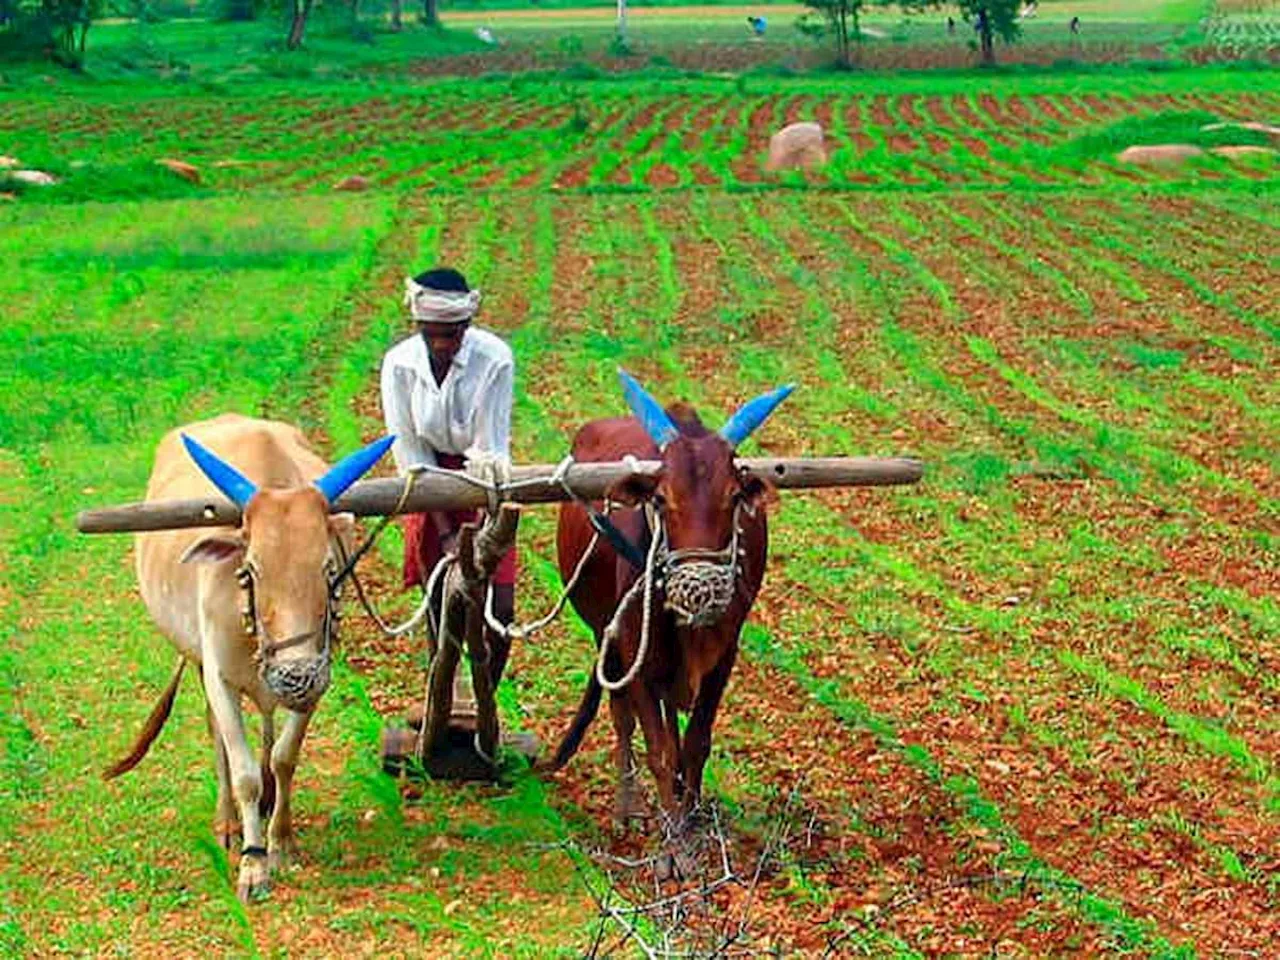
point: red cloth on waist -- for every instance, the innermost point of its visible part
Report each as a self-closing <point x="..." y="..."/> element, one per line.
<point x="422" y="540"/>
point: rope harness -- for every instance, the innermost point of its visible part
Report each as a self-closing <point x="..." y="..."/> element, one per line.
<point x="699" y="583"/>
<point x="300" y="682"/>
<point x="699" y="586"/>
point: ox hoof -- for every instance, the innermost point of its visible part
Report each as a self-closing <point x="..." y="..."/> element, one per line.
<point x="282" y="854"/>
<point x="666" y="869"/>
<point x="255" y="878"/>
<point x="675" y="864"/>
<point x="627" y="809"/>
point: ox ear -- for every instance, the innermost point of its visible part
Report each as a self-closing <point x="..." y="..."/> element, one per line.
<point x="753" y="413"/>
<point x="215" y="548"/>
<point x="647" y="410"/>
<point x="634" y="490"/>
<point x="351" y="468"/>
<point x="343" y="526"/>
<point x="756" y="490"/>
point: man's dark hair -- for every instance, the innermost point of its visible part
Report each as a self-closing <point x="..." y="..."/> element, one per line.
<point x="443" y="278"/>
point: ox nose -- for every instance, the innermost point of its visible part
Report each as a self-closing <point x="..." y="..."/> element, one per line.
<point x="299" y="684"/>
<point x="699" y="592"/>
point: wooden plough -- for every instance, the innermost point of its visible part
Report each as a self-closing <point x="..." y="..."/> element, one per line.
<point x="445" y="749"/>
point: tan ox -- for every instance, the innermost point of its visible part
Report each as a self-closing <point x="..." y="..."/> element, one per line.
<point x="254" y="609"/>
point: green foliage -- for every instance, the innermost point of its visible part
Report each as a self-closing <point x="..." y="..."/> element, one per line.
<point x="837" y="19"/>
<point x="989" y="18"/>
<point x="1166" y="126"/>
<point x="52" y="29"/>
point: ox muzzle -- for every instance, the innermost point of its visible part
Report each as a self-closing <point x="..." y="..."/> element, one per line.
<point x="298" y="682"/>
<point x="700" y="584"/>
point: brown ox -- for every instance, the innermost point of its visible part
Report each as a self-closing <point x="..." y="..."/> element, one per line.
<point x="707" y="578"/>
<point x="254" y="609"/>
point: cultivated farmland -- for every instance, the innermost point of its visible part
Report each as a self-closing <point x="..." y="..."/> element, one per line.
<point x="1028" y="707"/>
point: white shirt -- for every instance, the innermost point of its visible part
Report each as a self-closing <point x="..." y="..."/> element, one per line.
<point x="470" y="412"/>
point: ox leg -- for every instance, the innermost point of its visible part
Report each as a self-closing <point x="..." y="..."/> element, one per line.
<point x="284" y="760"/>
<point x="226" y="821"/>
<point x="663" y="757"/>
<point x="246" y="781"/>
<point x="697" y="736"/>
<point x="660" y="752"/>
<point x="627" y="804"/>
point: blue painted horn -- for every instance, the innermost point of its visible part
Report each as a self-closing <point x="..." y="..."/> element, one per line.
<point x="753" y="413"/>
<point x="647" y="410"/>
<point x="238" y="488"/>
<point x="351" y="468"/>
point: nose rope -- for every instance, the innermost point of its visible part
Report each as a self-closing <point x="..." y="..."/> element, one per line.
<point x="701" y="583"/>
<point x="295" y="683"/>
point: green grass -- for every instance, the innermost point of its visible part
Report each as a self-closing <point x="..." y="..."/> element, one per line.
<point x="68" y="669"/>
<point x="1077" y="592"/>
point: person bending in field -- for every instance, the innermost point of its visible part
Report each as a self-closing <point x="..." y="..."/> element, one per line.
<point x="446" y="396"/>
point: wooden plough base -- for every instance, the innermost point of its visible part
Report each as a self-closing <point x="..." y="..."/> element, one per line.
<point x="455" y="745"/>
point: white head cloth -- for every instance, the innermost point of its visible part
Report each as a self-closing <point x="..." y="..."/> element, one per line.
<point x="439" y="306"/>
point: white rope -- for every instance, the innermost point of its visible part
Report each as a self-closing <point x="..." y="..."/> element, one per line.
<point x="520" y="631"/>
<point x="645" y="582"/>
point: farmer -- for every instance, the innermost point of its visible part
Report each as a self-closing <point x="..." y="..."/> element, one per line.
<point x="446" y="396"/>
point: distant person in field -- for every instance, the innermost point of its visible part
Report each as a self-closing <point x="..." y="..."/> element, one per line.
<point x="447" y="396"/>
<point x="951" y="26"/>
<point x="757" y="25"/>
<point x="1075" y="25"/>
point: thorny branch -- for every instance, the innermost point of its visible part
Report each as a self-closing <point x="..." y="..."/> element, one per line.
<point x="685" y="924"/>
<point x="667" y="925"/>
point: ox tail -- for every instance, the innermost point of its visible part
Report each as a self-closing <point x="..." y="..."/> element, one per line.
<point x="572" y="739"/>
<point x="150" y="729"/>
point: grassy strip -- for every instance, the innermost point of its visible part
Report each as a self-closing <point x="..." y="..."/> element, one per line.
<point x="1127" y="932"/>
<point x="1207" y="737"/>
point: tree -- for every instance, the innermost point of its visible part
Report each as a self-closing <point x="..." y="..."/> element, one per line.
<point x="990" y="19"/>
<point x="56" y="29"/>
<point x="431" y="13"/>
<point x="298" y="25"/>
<point x="839" y="17"/>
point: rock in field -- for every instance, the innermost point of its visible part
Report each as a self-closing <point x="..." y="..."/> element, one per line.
<point x="1243" y="152"/>
<point x="34" y="178"/>
<point x="797" y="146"/>
<point x="1254" y="125"/>
<point x="183" y="169"/>
<point x="1164" y="154"/>
<point x="354" y="183"/>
